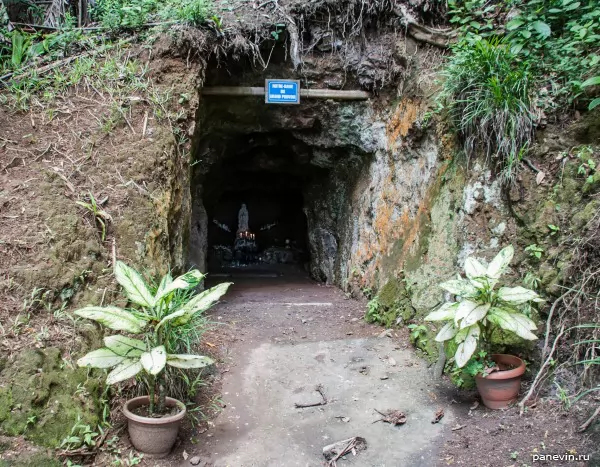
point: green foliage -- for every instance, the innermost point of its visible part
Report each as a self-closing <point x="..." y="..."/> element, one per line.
<point x="158" y="314"/>
<point x="535" y="251"/>
<point x="378" y="313"/>
<point x="130" y="14"/>
<point x="558" y="39"/>
<point x="100" y="216"/>
<point x="487" y="94"/>
<point x="26" y="48"/>
<point x="482" y="309"/>
<point x="81" y="435"/>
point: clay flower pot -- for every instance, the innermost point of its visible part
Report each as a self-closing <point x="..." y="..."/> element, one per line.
<point x="501" y="388"/>
<point x="153" y="436"/>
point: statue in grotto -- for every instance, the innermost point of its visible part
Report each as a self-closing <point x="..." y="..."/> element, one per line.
<point x="243" y="219"/>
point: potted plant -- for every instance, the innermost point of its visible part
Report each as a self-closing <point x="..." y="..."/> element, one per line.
<point x="480" y="309"/>
<point x="153" y="420"/>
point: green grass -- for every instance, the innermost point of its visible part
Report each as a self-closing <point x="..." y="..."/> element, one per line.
<point x="486" y="92"/>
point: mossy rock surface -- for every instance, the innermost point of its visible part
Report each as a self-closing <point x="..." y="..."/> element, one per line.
<point x="41" y="397"/>
<point x="32" y="460"/>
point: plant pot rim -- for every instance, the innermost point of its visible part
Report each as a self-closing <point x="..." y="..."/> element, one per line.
<point x="506" y="374"/>
<point x="145" y="400"/>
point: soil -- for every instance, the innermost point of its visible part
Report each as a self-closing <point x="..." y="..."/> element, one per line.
<point x="144" y="411"/>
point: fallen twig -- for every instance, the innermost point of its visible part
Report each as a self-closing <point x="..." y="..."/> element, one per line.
<point x="529" y="164"/>
<point x="333" y="452"/>
<point x="438" y="416"/>
<point x="540" y="373"/>
<point x="393" y="417"/>
<point x="589" y="421"/>
<point x="321" y="391"/>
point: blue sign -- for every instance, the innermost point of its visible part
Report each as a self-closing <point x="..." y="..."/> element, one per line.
<point x="282" y="91"/>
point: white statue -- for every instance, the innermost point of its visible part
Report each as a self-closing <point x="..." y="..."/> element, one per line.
<point x="243" y="219"/>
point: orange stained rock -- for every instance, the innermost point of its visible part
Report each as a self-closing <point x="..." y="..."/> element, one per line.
<point x="404" y="117"/>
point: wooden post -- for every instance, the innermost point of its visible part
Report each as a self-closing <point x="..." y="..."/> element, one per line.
<point x="351" y="95"/>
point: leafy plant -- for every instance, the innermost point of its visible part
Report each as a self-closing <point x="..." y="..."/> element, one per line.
<point x="481" y="308"/>
<point x="534" y="251"/>
<point x="417" y="333"/>
<point x="373" y="307"/>
<point x="100" y="215"/>
<point x="554" y="229"/>
<point x="156" y="318"/>
<point x="81" y="435"/>
<point x="593" y="81"/>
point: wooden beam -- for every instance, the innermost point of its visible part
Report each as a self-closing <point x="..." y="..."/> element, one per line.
<point x="308" y="93"/>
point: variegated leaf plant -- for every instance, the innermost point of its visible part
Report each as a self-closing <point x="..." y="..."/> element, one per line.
<point x="152" y="319"/>
<point x="481" y="307"/>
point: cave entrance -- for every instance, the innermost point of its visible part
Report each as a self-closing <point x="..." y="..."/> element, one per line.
<point x="296" y="168"/>
<point x="253" y="195"/>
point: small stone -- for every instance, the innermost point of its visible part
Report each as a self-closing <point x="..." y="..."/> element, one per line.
<point x="384" y="376"/>
<point x="354" y="320"/>
<point x="349" y="333"/>
<point x="391" y="361"/>
<point x="185" y="455"/>
<point x="196" y="460"/>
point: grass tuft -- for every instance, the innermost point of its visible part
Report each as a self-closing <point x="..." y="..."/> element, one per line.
<point x="487" y="94"/>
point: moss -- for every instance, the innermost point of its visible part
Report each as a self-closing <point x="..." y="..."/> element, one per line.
<point x="581" y="218"/>
<point x="42" y="399"/>
<point x="592" y="184"/>
<point x="33" y="460"/>
<point x="393" y="302"/>
<point x="426" y="344"/>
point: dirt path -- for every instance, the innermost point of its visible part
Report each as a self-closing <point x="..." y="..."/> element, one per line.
<point x="287" y="335"/>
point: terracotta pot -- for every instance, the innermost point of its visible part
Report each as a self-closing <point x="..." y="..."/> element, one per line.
<point x="501" y="388"/>
<point x="153" y="436"/>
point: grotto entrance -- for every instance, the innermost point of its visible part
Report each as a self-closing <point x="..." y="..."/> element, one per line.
<point x="254" y="201"/>
<point x="294" y="167"/>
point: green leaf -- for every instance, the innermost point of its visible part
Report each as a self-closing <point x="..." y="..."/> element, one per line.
<point x="113" y="318"/>
<point x="128" y="369"/>
<point x="201" y="302"/>
<point x="475" y="315"/>
<point x="155" y="360"/>
<point x="595" y="103"/>
<point x="467" y="348"/>
<point x="125" y="346"/>
<point x="542" y="28"/>
<point x="459" y="287"/>
<point x="499" y="264"/>
<point x="518" y="295"/>
<point x="135" y="288"/>
<point x="101" y="358"/>
<point x="176" y="314"/>
<point x="526" y="34"/>
<point x="520" y="324"/>
<point x="447" y="332"/>
<point x="514" y="24"/>
<point x="188" y="361"/>
<point x="593" y="81"/>
<point x="187" y="281"/>
<point x="443" y="313"/>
